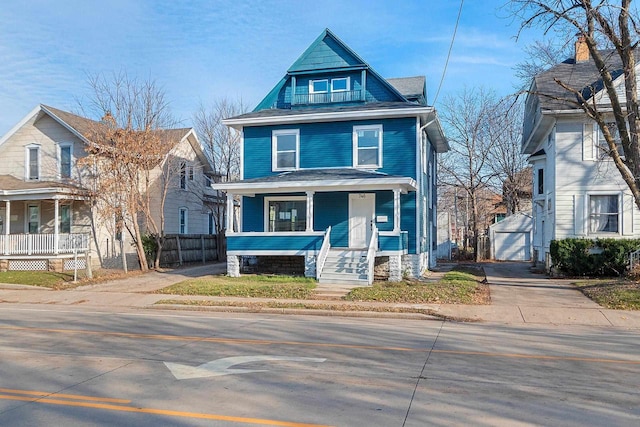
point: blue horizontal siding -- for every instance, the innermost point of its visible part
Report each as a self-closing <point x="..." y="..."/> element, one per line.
<point x="332" y="209"/>
<point x="408" y="218"/>
<point x="330" y="145"/>
<point x="252" y="213"/>
<point x="384" y="207"/>
<point x="274" y="243"/>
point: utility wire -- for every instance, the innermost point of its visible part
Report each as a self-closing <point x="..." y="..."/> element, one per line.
<point x="446" y="63"/>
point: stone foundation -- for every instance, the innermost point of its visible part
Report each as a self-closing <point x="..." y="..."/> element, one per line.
<point x="4" y="265"/>
<point x="381" y="268"/>
<point x="310" y="266"/>
<point x="415" y="265"/>
<point x="233" y="266"/>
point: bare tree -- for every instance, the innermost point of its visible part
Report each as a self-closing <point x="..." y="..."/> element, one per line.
<point x="510" y="167"/>
<point x="467" y="119"/>
<point x="222" y="145"/>
<point x="600" y="24"/>
<point x="540" y="56"/>
<point x="127" y="152"/>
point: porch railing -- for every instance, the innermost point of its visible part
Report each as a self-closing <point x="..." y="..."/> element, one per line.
<point x="371" y="253"/>
<point x="43" y="244"/>
<point x="324" y="251"/>
<point x="327" y="97"/>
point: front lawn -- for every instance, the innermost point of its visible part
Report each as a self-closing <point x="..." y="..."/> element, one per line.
<point x="248" y="286"/>
<point x="460" y="286"/>
<point x="618" y="294"/>
<point x="47" y="279"/>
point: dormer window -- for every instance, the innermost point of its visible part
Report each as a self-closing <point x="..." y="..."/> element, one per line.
<point x="330" y="90"/>
<point x="319" y="86"/>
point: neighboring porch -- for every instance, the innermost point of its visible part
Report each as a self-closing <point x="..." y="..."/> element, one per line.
<point x="43" y="226"/>
<point x="339" y="226"/>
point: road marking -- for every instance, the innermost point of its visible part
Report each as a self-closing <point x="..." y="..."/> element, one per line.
<point x="167" y="412"/>
<point x="209" y="339"/>
<point x="538" y="357"/>
<point x="64" y="396"/>
<point x="312" y="344"/>
<point x="220" y="367"/>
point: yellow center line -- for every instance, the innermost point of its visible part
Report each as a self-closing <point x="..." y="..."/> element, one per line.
<point x="208" y="339"/>
<point x="538" y="356"/>
<point x="166" y="412"/>
<point x="63" y="396"/>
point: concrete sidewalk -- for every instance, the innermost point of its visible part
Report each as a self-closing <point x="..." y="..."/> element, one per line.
<point x="518" y="297"/>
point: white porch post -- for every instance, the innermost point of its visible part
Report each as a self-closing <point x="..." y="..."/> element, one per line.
<point x="7" y="226"/>
<point x="56" y="225"/>
<point x="310" y="210"/>
<point x="396" y="210"/>
<point x="229" y="224"/>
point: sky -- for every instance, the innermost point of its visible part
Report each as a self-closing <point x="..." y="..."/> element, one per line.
<point x="200" y="51"/>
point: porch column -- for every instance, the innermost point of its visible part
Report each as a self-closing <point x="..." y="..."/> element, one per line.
<point x="7" y="225"/>
<point x="396" y="210"/>
<point x="310" y="210"/>
<point x="229" y="224"/>
<point x="56" y="225"/>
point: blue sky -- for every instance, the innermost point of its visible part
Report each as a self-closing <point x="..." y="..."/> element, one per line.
<point x="202" y="50"/>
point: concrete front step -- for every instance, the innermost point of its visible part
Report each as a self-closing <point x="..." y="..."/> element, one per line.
<point x="343" y="280"/>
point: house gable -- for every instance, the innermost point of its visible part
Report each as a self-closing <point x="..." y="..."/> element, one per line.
<point x="328" y="61"/>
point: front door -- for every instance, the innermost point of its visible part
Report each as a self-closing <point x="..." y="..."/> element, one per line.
<point x="361" y="212"/>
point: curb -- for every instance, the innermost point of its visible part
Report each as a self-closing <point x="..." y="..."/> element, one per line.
<point x="306" y="312"/>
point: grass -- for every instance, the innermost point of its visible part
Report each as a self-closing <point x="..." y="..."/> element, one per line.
<point x="459" y="286"/>
<point x="248" y="286"/>
<point x="617" y="294"/>
<point x="45" y="279"/>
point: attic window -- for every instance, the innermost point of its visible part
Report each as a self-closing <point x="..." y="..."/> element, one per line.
<point x="319" y="86"/>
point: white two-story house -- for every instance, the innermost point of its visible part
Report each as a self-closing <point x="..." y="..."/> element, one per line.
<point x="577" y="190"/>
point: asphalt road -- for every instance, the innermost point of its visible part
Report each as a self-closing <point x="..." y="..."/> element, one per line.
<point x="60" y="366"/>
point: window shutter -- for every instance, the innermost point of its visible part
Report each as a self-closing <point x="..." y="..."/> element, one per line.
<point x="627" y="214"/>
<point x="587" y="141"/>
<point x="579" y="215"/>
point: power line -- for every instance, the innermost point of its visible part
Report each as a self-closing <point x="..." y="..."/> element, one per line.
<point x="446" y="63"/>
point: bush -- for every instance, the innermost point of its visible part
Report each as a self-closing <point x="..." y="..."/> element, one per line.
<point x="585" y="257"/>
<point x="150" y="246"/>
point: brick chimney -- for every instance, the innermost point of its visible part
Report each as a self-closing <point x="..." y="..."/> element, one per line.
<point x="582" y="51"/>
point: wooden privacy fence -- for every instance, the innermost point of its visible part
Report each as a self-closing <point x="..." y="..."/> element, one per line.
<point x="179" y="249"/>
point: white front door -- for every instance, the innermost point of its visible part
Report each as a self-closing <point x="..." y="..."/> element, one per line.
<point x="361" y="212"/>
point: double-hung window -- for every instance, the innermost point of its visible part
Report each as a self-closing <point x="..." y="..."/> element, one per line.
<point x="64" y="154"/>
<point x="286" y="214"/>
<point x="32" y="162"/>
<point x="340" y="89"/>
<point x="183" y="218"/>
<point x="367" y="146"/>
<point x="604" y="214"/>
<point x="285" y="149"/>
<point x="602" y="148"/>
<point x="65" y="218"/>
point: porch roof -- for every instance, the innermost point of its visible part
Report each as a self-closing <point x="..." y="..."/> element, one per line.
<point x="12" y="188"/>
<point x="343" y="179"/>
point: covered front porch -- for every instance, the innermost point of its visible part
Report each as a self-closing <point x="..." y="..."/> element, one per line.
<point x="43" y="226"/>
<point x="338" y="220"/>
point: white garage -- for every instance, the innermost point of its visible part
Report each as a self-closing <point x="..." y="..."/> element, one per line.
<point x="511" y="238"/>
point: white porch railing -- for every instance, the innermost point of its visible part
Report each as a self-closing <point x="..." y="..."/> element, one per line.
<point x="371" y="253"/>
<point x="41" y="244"/>
<point x="324" y="251"/>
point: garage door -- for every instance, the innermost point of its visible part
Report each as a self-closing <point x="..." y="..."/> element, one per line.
<point x="512" y="246"/>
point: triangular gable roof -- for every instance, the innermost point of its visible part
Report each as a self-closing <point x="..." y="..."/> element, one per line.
<point x="81" y="126"/>
<point x="327" y="45"/>
<point x="326" y="53"/>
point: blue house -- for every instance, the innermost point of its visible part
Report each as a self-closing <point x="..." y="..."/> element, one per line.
<point x="338" y="175"/>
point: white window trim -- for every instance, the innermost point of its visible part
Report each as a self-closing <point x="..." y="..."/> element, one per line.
<point x="598" y="154"/>
<point x="27" y="165"/>
<point x="355" y="146"/>
<point x="587" y="209"/>
<point x="274" y="147"/>
<point x="186" y="220"/>
<point x="70" y="217"/>
<point x="27" y="216"/>
<point x="60" y="146"/>
<point x="279" y="199"/>
<point x="348" y="79"/>
<point x="311" y="82"/>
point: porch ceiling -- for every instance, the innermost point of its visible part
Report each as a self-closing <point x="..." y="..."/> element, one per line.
<point x="12" y="188"/>
<point x="320" y="180"/>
